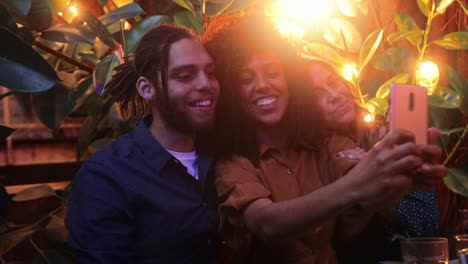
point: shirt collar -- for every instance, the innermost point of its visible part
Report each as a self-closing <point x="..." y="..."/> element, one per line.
<point x="153" y="152"/>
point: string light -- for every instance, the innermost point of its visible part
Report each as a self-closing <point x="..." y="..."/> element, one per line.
<point x="427" y="75"/>
<point x="368" y="118"/>
<point x="350" y="71"/>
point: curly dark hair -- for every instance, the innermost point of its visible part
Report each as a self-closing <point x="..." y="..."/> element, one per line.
<point x="150" y="59"/>
<point x="231" y="40"/>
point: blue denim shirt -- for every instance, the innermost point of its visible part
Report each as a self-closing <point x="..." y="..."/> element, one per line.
<point x="133" y="202"/>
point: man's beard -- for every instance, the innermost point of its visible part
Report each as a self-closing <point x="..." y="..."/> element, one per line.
<point x="180" y="120"/>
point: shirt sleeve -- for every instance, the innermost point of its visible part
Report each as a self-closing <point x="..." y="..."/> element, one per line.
<point x="98" y="218"/>
<point x="238" y="184"/>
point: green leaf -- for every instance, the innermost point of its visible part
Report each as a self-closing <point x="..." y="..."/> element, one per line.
<point x="424" y="6"/>
<point x="133" y="37"/>
<point x="217" y="10"/>
<point x="352" y="8"/>
<point x="380" y="106"/>
<point x="189" y="19"/>
<point x="33" y="193"/>
<point x="455" y="80"/>
<point x="52" y="106"/>
<point x="69" y="33"/>
<point x="324" y="52"/>
<point x="5" y="132"/>
<point x="369" y="48"/>
<point x="104" y="70"/>
<point x="99" y="29"/>
<point x="454" y="41"/>
<point x="224" y="6"/>
<point x="404" y="34"/>
<point x="185" y="4"/>
<point x="11" y="239"/>
<point x="19" y="7"/>
<point x="463" y="6"/>
<point x="79" y="91"/>
<point x="21" y="67"/>
<point x="124" y="12"/>
<point x="457" y="180"/>
<point x="452" y="130"/>
<point x="444" y="98"/>
<point x="40" y="15"/>
<point x="393" y="59"/>
<point x="443" y="5"/>
<point x="384" y="89"/>
<point x="343" y="35"/>
<point x="406" y="23"/>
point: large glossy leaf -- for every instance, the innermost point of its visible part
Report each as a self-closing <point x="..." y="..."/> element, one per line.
<point x="20" y="7"/>
<point x="406" y="23"/>
<point x="454" y="41"/>
<point x="393" y="59"/>
<point x="424" y="6"/>
<point x="103" y="72"/>
<point x="455" y="80"/>
<point x="40" y="15"/>
<point x="352" y="8"/>
<point x="324" y="52"/>
<point x="377" y="106"/>
<point x="185" y="4"/>
<point x="445" y="98"/>
<point x="189" y="19"/>
<point x="457" y="180"/>
<point x="99" y="29"/>
<point x="124" y="12"/>
<point x="5" y="132"/>
<point x="443" y="5"/>
<point x="52" y="107"/>
<point x="69" y="33"/>
<point x="21" y="67"/>
<point x="11" y="239"/>
<point x="384" y="89"/>
<point x="369" y="47"/>
<point x="224" y="6"/>
<point x="76" y="93"/>
<point x="133" y="37"/>
<point x="343" y="35"/>
<point x="463" y="6"/>
<point x="404" y="34"/>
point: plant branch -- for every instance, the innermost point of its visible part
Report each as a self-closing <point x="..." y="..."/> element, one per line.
<point x="457" y="145"/>
<point x="66" y="58"/>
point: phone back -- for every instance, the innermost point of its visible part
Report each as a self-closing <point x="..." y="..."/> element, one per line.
<point x="408" y="110"/>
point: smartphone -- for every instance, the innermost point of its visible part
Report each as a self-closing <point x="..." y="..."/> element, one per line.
<point x="408" y="110"/>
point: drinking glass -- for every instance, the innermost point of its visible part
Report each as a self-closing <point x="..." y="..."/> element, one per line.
<point x="428" y="250"/>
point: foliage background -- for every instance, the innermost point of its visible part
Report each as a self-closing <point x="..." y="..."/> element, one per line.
<point x="64" y="61"/>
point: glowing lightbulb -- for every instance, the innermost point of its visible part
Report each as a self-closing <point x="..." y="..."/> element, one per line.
<point x="74" y="10"/>
<point x="290" y="30"/>
<point x="368" y="118"/>
<point x="427" y="75"/>
<point x="304" y="11"/>
<point x="349" y="71"/>
<point x="60" y="13"/>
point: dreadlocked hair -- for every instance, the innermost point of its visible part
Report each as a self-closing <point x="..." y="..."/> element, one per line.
<point x="150" y="60"/>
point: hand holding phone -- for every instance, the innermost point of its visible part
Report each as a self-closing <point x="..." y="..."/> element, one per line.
<point x="408" y="110"/>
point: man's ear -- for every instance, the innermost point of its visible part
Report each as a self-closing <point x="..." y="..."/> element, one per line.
<point x="146" y="89"/>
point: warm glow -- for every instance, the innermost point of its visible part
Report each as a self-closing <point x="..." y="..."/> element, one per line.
<point x="304" y="12"/>
<point x="368" y="118"/>
<point x="60" y="13"/>
<point x="290" y="30"/>
<point x="127" y="25"/>
<point x="74" y="10"/>
<point x="427" y="75"/>
<point x="350" y="71"/>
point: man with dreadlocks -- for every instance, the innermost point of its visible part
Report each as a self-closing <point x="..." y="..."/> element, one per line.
<point x="148" y="197"/>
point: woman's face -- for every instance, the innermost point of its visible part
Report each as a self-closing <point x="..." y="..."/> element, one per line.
<point x="335" y="99"/>
<point x="263" y="90"/>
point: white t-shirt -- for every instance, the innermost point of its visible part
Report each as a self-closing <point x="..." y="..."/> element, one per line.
<point x="189" y="160"/>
